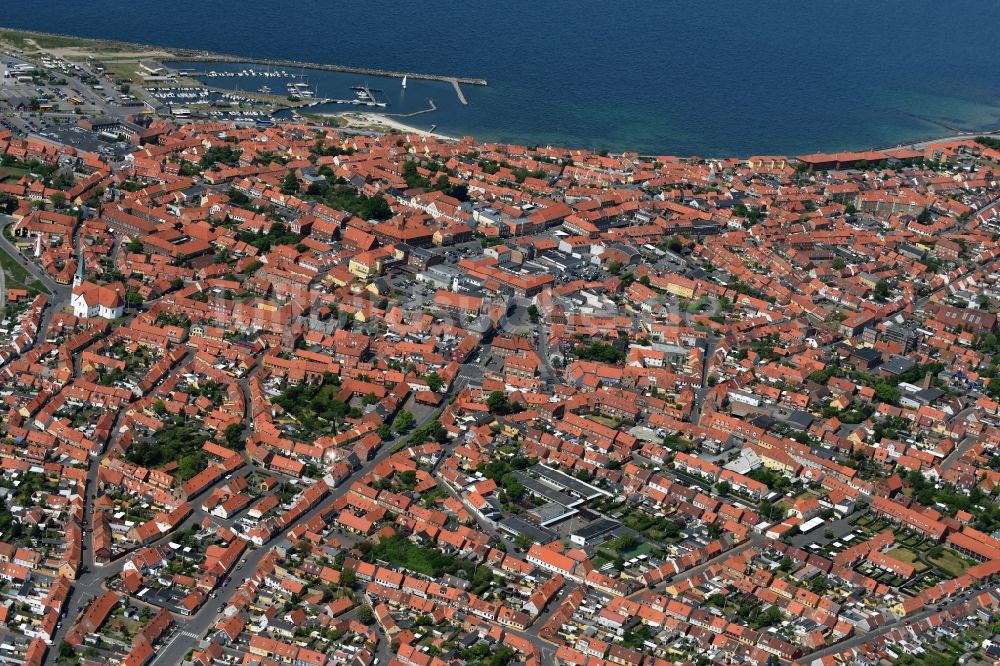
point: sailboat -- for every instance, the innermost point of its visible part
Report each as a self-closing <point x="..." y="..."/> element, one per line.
<point x="404" y="82"/>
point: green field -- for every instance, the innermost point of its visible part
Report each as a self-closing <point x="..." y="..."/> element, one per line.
<point x="604" y="420"/>
<point x="17" y="277"/>
<point x="12" y="173"/>
<point x="909" y="557"/>
<point x="950" y="563"/>
<point x="22" y="40"/>
<point x="400" y="551"/>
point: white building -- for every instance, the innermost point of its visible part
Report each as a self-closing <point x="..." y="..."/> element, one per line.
<point x="91" y="300"/>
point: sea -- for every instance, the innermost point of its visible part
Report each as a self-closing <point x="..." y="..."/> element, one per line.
<point x="661" y="77"/>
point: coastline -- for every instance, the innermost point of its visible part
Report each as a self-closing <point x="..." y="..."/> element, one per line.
<point x="112" y="50"/>
<point x="367" y="120"/>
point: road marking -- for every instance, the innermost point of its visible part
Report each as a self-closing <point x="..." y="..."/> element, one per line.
<point x="186" y="634"/>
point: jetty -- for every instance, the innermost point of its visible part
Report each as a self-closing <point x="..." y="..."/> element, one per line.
<point x="458" y="91"/>
<point x="205" y="57"/>
<point x="431" y="107"/>
<point x="186" y="55"/>
<point x="193" y="55"/>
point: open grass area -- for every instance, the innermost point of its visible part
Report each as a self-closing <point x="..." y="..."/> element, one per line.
<point x="18" y="39"/>
<point x="604" y="420"/>
<point x="13" y="270"/>
<point x="16" y="276"/>
<point x="124" y="69"/>
<point x="26" y="41"/>
<point x="600" y="559"/>
<point x="950" y="563"/>
<point x="908" y="556"/>
<point x="12" y="173"/>
<point x="400" y="551"/>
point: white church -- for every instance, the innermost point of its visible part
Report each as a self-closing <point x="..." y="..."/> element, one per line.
<point x="94" y="300"/>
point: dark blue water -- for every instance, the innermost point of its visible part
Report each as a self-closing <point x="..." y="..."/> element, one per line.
<point x="780" y="76"/>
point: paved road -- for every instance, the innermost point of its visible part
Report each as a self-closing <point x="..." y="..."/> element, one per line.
<point x="59" y="291"/>
<point x="864" y="636"/>
<point x="957" y="454"/>
<point x="199" y="623"/>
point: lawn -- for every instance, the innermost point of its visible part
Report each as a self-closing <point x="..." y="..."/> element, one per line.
<point x="124" y="69"/>
<point x="908" y="556"/>
<point x="12" y="173"/>
<point x="604" y="420"/>
<point x="22" y="41"/>
<point x="608" y="550"/>
<point x="400" y="551"/>
<point x="16" y="276"/>
<point x="950" y="563"/>
<point x="600" y="559"/>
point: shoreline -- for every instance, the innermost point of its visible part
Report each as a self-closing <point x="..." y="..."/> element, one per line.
<point x="180" y="54"/>
<point x="362" y="120"/>
<point x="133" y="51"/>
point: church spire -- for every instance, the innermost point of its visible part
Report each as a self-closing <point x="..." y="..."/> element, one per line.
<point x="80" y="270"/>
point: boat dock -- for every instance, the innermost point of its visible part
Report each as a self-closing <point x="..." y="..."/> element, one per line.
<point x="192" y="55"/>
<point x="181" y="55"/>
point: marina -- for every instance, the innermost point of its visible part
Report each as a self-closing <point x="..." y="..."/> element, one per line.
<point x="320" y="92"/>
<point x="301" y="90"/>
<point x="533" y="95"/>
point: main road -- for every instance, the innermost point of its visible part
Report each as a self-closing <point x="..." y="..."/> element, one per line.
<point x="194" y="627"/>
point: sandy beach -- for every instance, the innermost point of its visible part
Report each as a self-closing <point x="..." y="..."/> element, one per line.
<point x="378" y="121"/>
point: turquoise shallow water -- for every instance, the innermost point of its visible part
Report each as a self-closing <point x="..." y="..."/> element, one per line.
<point x="663" y="77"/>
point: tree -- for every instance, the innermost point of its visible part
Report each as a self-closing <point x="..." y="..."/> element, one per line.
<point x="724" y="487"/>
<point x="624" y="542"/>
<point x="58" y="199"/>
<point x="498" y="402"/>
<point x="234" y="436"/>
<point x="819" y="585"/>
<point x="290" y="185"/>
<point x="67" y="651"/>
<point x="434" y="382"/>
<point x="176" y="283"/>
<point x="838" y="263"/>
<point x="403" y="421"/>
<point x="365" y="614"/>
<point x="770" y="511"/>
<point x="347" y="578"/>
<point x="134" y="246"/>
<point x="881" y="291"/>
<point x="887" y="393"/>
<point x="189" y="169"/>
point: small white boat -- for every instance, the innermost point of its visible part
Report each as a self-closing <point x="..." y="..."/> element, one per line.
<point x="404" y="82"/>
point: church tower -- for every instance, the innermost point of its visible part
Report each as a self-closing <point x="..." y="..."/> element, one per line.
<point x="80" y="272"/>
